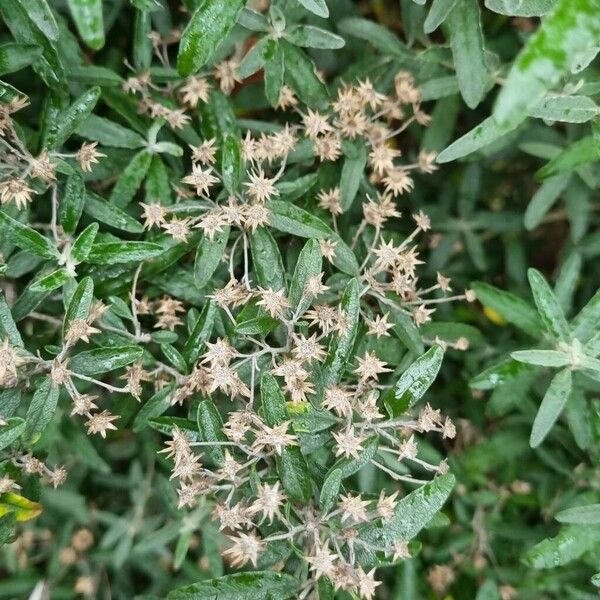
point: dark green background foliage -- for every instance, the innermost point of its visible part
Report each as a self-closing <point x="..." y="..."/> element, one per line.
<point x="511" y="87"/>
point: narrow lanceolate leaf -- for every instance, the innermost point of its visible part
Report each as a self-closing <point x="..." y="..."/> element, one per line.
<point x="200" y="333"/>
<point x="568" y="109"/>
<point x="22" y="508"/>
<point x="340" y="346"/>
<point x="210" y="427"/>
<point x="266" y="259"/>
<point x="67" y="122"/>
<point x="102" y="360"/>
<point x="291" y="465"/>
<point x="50" y="282"/>
<point x="87" y="15"/>
<point x="310" y="263"/>
<point x="28" y="239"/>
<point x="548" y="307"/>
<point x="570" y="31"/>
<point x="41" y="15"/>
<point x="257" y="585"/>
<point x="580" y="152"/>
<point x="41" y="410"/>
<point x="207" y="28"/>
<point x="543" y="358"/>
<point x="330" y="490"/>
<point x="209" y="254"/>
<point x="352" y="172"/>
<point x="110" y="253"/>
<point x="80" y="303"/>
<point x="380" y="37"/>
<point x="11" y="432"/>
<point x="318" y="7"/>
<point x="587" y="321"/>
<point x="231" y="163"/>
<point x="518" y="8"/>
<point x="8" y="327"/>
<point x="463" y="26"/>
<point x="484" y="134"/>
<point x="308" y="36"/>
<point x="72" y="202"/>
<point x="131" y="179"/>
<point x="109" y="133"/>
<point x="110" y="215"/>
<point x="584" y="515"/>
<point x="571" y="543"/>
<point x="554" y="401"/>
<point x="84" y="242"/>
<point x="415" y="381"/>
<point x="544" y="199"/>
<point x="14" y="57"/>
<point x="513" y="309"/>
<point x="300" y="75"/>
<point x="439" y="11"/>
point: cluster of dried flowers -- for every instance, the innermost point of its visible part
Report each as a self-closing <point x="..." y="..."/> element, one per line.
<point x="299" y="359"/>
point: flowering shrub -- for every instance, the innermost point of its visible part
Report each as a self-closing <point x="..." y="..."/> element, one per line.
<point x="230" y="276"/>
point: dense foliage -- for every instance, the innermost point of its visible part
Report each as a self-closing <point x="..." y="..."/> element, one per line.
<point x="298" y="299"/>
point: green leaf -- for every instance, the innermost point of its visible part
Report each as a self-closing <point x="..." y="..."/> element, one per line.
<point x="330" y="490"/>
<point x="102" y="360"/>
<point x="267" y="261"/>
<point x="570" y="31"/>
<point x="554" y="400"/>
<point x="499" y="374"/>
<point x="587" y="320"/>
<point x="274" y="71"/>
<point x="210" y="427"/>
<point x="578" y="153"/>
<point x="84" y="242"/>
<point x="28" y="239"/>
<point x="548" y="306"/>
<point x="209" y="255"/>
<point x="200" y="333"/>
<point x="510" y="307"/>
<point x="518" y="8"/>
<point x="131" y="179"/>
<point x="154" y="407"/>
<point x="41" y="410"/>
<point x="87" y="15"/>
<point x="14" y="57"/>
<point x="340" y="346"/>
<point x="317" y="7"/>
<point x="308" y="36"/>
<point x="583" y="515"/>
<point x="208" y="27"/>
<point x="50" y="282"/>
<point x="567" y="109"/>
<point x="349" y="466"/>
<point x="438" y="13"/>
<point x="69" y="120"/>
<point x="257" y="585"/>
<point x="109" y="133"/>
<point x="463" y="26"/>
<point x="11" y="432"/>
<point x="80" y="303"/>
<point x="100" y="210"/>
<point x="380" y="37"/>
<point x="231" y="163"/>
<point x="255" y="58"/>
<point x="40" y="14"/>
<point x="72" y="203"/>
<point x="415" y="381"/>
<point x="571" y="543"/>
<point x="352" y="172"/>
<point x="310" y="263"/>
<point x="272" y="401"/>
<point x="110" y="253"/>
<point x="544" y="199"/>
<point x="482" y="135"/>
<point x="8" y="327"/>
<point x="404" y="327"/>
<point x="543" y="358"/>
<point x="142" y="42"/>
<point x="293" y="472"/>
<point x="301" y="77"/>
<point x="7" y="523"/>
<point x="22" y="508"/>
